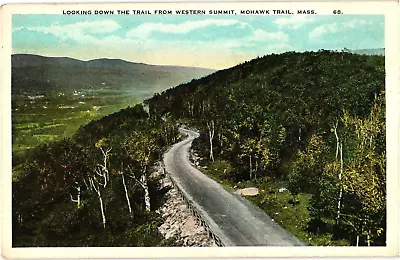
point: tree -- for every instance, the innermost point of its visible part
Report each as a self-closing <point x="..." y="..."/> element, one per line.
<point x="96" y="185"/>
<point x="364" y="177"/>
<point x="211" y="132"/>
<point x="121" y="160"/>
<point x="141" y="148"/>
<point x="339" y="151"/>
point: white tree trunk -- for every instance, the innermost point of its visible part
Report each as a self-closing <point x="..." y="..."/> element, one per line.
<point x="78" y="200"/>
<point x="339" y="147"/>
<point x="220" y="138"/>
<point x="126" y="194"/>
<point x="250" y="167"/>
<point x="299" y="134"/>
<point x="87" y="186"/>
<point x="146" y="108"/>
<point x="97" y="189"/>
<point x="143" y="183"/>
<point x="256" y="170"/>
<point x="368" y="240"/>
<point x="103" y="172"/>
<point x="79" y="196"/>
<point x="103" y="215"/>
<point x="341" y="188"/>
<point x="146" y="193"/>
<point x="358" y="240"/>
<point x="337" y="139"/>
<point x="211" y="133"/>
<point x="192" y="110"/>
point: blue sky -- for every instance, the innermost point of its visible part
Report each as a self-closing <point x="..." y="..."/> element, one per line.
<point x="193" y="40"/>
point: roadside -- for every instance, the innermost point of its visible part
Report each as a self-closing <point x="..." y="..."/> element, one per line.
<point x="271" y="196"/>
<point x="179" y="224"/>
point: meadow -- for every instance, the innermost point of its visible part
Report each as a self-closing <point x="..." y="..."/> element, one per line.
<point x="39" y="117"/>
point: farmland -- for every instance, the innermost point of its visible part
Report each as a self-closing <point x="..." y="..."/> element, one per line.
<point x="39" y="117"/>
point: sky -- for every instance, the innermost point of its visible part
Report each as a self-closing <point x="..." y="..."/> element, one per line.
<point x="215" y="42"/>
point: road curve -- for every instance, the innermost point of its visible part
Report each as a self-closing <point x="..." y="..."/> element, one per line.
<point x="232" y="218"/>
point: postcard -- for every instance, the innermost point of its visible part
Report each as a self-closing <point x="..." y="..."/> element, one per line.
<point x="218" y="129"/>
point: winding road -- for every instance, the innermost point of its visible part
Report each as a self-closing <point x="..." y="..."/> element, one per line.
<point x="232" y="218"/>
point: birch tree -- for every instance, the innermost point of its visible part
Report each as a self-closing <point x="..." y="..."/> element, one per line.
<point x="126" y="195"/>
<point x="364" y="177"/>
<point x="78" y="199"/>
<point x="211" y="132"/>
<point x="140" y="148"/>
<point x="102" y="169"/>
<point x="96" y="185"/>
<point x="339" y="153"/>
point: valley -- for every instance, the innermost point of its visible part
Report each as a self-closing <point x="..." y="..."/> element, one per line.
<point x="40" y="117"/>
<point x="53" y="97"/>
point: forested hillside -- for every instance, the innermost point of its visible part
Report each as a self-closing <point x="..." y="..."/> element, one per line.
<point x="94" y="189"/>
<point x="311" y="122"/>
<point x="311" y="125"/>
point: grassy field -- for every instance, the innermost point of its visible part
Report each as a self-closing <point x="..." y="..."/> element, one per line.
<point x="39" y="117"/>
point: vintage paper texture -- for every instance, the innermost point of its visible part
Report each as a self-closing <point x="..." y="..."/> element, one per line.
<point x="389" y="10"/>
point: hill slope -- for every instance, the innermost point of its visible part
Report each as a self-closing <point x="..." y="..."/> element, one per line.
<point x="48" y="73"/>
<point x="311" y="122"/>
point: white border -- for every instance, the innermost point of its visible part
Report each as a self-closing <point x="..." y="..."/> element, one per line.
<point x="391" y="11"/>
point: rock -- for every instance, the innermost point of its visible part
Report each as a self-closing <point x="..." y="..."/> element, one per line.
<point x="282" y="189"/>
<point x="251" y="191"/>
<point x="178" y="221"/>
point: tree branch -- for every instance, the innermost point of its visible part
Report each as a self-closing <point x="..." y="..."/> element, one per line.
<point x="73" y="199"/>
<point x="138" y="181"/>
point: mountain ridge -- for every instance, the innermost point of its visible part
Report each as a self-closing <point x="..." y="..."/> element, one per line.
<point x="16" y="56"/>
<point x="373" y="51"/>
<point x="36" y="71"/>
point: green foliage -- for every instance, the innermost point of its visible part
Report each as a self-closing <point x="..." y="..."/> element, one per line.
<point x="220" y="170"/>
<point x="364" y="178"/>
<point x="46" y="187"/>
<point x="287" y="116"/>
<point x="308" y="167"/>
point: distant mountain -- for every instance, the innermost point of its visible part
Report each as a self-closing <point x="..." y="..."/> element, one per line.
<point x="380" y="51"/>
<point x="48" y="73"/>
<point x="32" y="60"/>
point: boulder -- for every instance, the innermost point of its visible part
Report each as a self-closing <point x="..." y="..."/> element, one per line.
<point x="250" y="191"/>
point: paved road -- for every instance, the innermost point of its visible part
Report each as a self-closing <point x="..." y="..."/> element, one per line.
<point x="232" y="218"/>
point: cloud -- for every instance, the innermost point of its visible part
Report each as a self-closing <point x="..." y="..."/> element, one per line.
<point x="323" y="29"/>
<point x="294" y="22"/>
<point x="261" y="35"/>
<point x="75" y="31"/>
<point x="89" y="40"/>
<point x="106" y="26"/>
<point x="83" y="32"/>
<point x="355" y="23"/>
<point x="145" y="29"/>
<point x="336" y="27"/>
